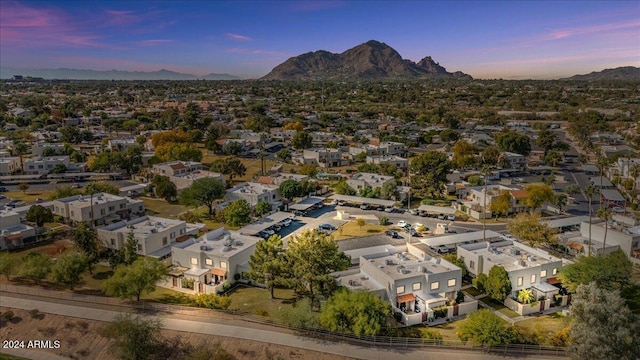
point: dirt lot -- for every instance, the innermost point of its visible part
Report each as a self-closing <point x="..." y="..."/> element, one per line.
<point x="80" y="339"/>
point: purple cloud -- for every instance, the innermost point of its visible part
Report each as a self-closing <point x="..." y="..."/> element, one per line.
<point x="238" y="37"/>
<point x="253" y="51"/>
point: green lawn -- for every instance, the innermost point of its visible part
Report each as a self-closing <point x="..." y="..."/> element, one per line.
<point x="29" y="196"/>
<point x="549" y="323"/>
<point x="351" y="230"/>
<point x="258" y="301"/>
<point x="498" y="306"/>
<point x="448" y="330"/>
<point x="162" y="208"/>
<point x="472" y="291"/>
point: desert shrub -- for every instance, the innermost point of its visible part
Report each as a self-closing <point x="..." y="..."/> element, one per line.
<point x="211" y="301"/>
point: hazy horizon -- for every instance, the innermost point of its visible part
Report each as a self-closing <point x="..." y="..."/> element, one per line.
<point x="488" y="40"/>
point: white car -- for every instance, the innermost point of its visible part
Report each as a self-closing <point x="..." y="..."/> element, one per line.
<point x="451" y="217"/>
<point x="507" y="237"/>
<point x="388" y="209"/>
<point x="618" y="209"/>
<point x="286" y="222"/>
<point x="401" y="223"/>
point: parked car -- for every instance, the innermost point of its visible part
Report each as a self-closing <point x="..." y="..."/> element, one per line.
<point x="286" y="222"/>
<point x="451" y="217"/>
<point x="440" y="216"/>
<point x="423" y="214"/>
<point x="617" y="209"/>
<point x="507" y="237"/>
<point x="334" y="202"/>
<point x="264" y="234"/>
<point x="389" y="209"/>
<point x="299" y="213"/>
<point x="442" y="249"/>
<point x="365" y="207"/>
<point x="2" y="197"/>
<point x="401" y="223"/>
<point x="342" y="203"/>
<point x="380" y="208"/>
<point x="328" y="227"/>
<point x="269" y="231"/>
<point x="393" y="234"/>
<point x="3" y="189"/>
<point x="76" y="186"/>
<point x="413" y="212"/>
<point x="39" y="201"/>
<point x="319" y="205"/>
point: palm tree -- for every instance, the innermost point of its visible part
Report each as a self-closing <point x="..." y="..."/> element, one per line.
<point x="635" y="172"/>
<point x="485" y="171"/>
<point x="604" y="213"/>
<point x="525" y="296"/>
<point x="588" y="192"/>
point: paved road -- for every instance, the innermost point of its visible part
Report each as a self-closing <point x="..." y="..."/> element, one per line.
<point x="267" y="336"/>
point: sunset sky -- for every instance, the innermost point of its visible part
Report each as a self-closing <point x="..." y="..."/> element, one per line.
<point x="486" y="39"/>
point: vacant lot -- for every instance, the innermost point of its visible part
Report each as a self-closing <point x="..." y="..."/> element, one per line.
<point x="157" y="207"/>
<point x="351" y="230"/>
<point x="29" y="196"/>
<point x="81" y="339"/>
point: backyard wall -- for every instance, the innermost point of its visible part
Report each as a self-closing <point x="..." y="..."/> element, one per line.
<point x="526" y="309"/>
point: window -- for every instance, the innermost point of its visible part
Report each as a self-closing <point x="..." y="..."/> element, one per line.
<point x="194" y="261"/>
<point x="208" y="262"/>
<point x="400" y="289"/>
<point x="417" y="286"/>
<point x="72" y="213"/>
<point x="520" y="281"/>
<point x="533" y="278"/>
<point x="223" y="264"/>
<point x="173" y="234"/>
<point x="435" y="285"/>
<point x="102" y="212"/>
<point x="555" y="271"/>
<point x="113" y="242"/>
<point x="451" y="282"/>
<point x="164" y="240"/>
<point x="543" y="273"/>
<point x="472" y="265"/>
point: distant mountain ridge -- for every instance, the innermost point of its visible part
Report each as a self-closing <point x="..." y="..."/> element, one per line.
<point x="628" y="73"/>
<point x="80" y="74"/>
<point x="371" y="60"/>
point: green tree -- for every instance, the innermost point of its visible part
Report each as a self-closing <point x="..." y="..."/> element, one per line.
<point x="39" y="215"/>
<point x="178" y="151"/>
<point x="203" y="191"/>
<point x="342" y="188"/>
<point x="139" y="277"/>
<point x="511" y="141"/>
<point x="609" y="272"/>
<point x="301" y="140"/>
<point x="86" y="240"/>
<point x="310" y="170"/>
<point x="525" y="296"/>
<point x="229" y="166"/>
<point x="501" y="204"/>
<point x="498" y="284"/>
<point x="485" y="328"/>
<point x="464" y="154"/>
<point x="35" y="266"/>
<point x="8" y="264"/>
<point x="237" y="213"/>
<point x="262" y="207"/>
<point x="164" y="188"/>
<point x="589" y="191"/>
<point x="604" y="214"/>
<point x="20" y="148"/>
<point x="552" y="158"/>
<point x="560" y="201"/>
<point x="490" y="155"/>
<point x="362" y="313"/>
<point x="361" y="222"/>
<point x="546" y="140"/>
<point x="480" y="282"/>
<point x="267" y="263"/>
<point x="603" y="327"/>
<point x="449" y="136"/>
<point x="59" y="169"/>
<point x="69" y="269"/>
<point x="312" y="257"/>
<point x="23" y="186"/>
<point x="284" y="155"/>
<point x="537" y="195"/>
<point x="290" y="189"/>
<point x="134" y="338"/>
<point x="457" y="262"/>
<point x="130" y="249"/>
<point x="101" y="187"/>
<point x="63" y="192"/>
<point x="431" y="169"/>
<point x="530" y="229"/>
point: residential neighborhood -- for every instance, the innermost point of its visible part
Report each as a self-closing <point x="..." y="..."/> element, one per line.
<point x="430" y="223"/>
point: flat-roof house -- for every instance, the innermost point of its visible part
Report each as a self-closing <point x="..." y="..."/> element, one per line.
<point x="173" y="168"/>
<point x="525" y="265"/>
<point x="155" y="235"/>
<point x="39" y="165"/>
<point x="208" y="262"/>
<point x="399" y="162"/>
<point x="101" y="208"/>
<point x="254" y="192"/>
<point x="12" y="232"/>
<point x="9" y="165"/>
<point x="361" y="181"/>
<point x="183" y="181"/>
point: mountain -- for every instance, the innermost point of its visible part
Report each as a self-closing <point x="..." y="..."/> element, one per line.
<point x="371" y="60"/>
<point x="78" y="74"/>
<point x="627" y="73"/>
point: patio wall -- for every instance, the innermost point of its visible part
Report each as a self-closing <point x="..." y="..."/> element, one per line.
<point x="526" y="309"/>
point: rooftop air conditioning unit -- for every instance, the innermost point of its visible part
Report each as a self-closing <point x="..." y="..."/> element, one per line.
<point x="154" y="230"/>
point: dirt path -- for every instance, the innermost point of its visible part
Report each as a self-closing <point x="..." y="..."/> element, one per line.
<point x="81" y="339"/>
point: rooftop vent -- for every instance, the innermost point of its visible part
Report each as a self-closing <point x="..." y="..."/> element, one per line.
<point x="227" y="248"/>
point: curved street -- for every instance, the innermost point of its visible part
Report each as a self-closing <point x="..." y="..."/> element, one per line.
<point x="271" y="335"/>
